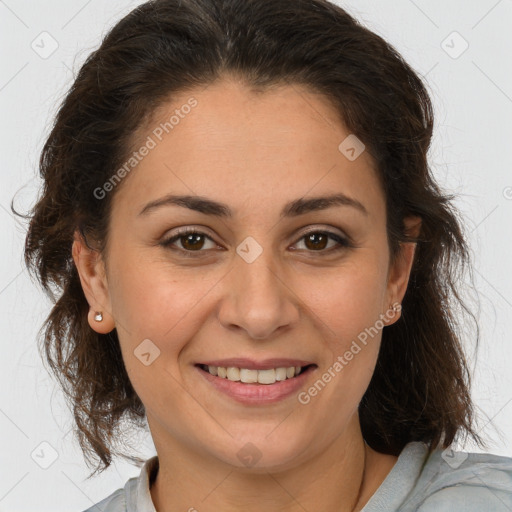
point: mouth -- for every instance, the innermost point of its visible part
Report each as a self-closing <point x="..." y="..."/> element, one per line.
<point x="261" y="384"/>
<point x="267" y="376"/>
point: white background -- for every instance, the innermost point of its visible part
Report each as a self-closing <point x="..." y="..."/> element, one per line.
<point x="471" y="156"/>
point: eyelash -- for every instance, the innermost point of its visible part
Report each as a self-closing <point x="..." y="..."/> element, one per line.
<point x="343" y="243"/>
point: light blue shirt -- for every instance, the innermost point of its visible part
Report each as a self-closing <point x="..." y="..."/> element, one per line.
<point x="443" y="481"/>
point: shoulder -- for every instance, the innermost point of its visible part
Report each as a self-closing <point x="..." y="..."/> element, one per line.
<point x="460" y="481"/>
<point x="116" y="502"/>
<point x="134" y="496"/>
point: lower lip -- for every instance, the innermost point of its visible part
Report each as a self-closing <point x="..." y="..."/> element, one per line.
<point x="255" y="394"/>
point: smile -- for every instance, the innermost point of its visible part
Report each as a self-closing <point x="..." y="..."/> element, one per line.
<point x="250" y="376"/>
<point x="257" y="386"/>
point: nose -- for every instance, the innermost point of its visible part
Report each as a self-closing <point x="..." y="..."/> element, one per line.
<point x="258" y="299"/>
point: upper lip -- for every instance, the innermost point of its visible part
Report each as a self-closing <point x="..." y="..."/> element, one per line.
<point x="252" y="364"/>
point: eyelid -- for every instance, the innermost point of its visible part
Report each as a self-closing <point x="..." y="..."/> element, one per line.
<point x="328" y="230"/>
<point x="168" y="241"/>
<point x="342" y="240"/>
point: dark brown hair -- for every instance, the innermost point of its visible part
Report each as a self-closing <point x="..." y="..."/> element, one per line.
<point x="420" y="388"/>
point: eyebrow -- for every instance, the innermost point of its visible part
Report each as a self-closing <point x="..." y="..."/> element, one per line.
<point x="292" y="209"/>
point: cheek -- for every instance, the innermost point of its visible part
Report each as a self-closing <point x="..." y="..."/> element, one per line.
<point x="349" y="312"/>
<point x="154" y="301"/>
<point x="349" y="298"/>
<point x="158" y="311"/>
<point x="150" y="295"/>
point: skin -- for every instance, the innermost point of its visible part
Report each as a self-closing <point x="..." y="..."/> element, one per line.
<point x="255" y="152"/>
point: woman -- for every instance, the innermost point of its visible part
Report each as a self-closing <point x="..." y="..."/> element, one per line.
<point x="251" y="254"/>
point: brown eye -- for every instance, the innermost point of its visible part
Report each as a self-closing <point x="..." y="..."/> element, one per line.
<point x="317" y="241"/>
<point x="190" y="241"/>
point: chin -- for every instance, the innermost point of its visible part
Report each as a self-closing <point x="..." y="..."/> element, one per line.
<point x="260" y="453"/>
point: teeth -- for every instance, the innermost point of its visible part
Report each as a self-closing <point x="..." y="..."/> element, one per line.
<point x="248" y="376"/>
<point x="266" y="376"/>
<point x="254" y="376"/>
<point x="233" y="373"/>
<point x="280" y="373"/>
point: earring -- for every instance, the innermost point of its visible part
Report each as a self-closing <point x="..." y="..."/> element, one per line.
<point x="396" y="307"/>
<point x="98" y="317"/>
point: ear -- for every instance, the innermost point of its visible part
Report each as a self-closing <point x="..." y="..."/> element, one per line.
<point x="399" y="272"/>
<point x="91" y="269"/>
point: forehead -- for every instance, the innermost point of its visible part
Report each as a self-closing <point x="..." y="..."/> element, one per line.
<point x="230" y="142"/>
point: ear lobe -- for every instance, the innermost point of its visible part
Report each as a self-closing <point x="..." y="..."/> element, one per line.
<point x="400" y="270"/>
<point x="91" y="270"/>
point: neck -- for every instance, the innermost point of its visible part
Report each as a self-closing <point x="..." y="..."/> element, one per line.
<point x="341" y="477"/>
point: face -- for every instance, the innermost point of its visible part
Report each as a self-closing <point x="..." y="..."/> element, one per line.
<point x="265" y="282"/>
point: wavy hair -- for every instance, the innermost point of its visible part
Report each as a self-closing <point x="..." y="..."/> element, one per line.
<point x="420" y="388"/>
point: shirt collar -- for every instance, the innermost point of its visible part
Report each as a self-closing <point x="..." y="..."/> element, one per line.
<point x="137" y="490"/>
<point x="395" y="486"/>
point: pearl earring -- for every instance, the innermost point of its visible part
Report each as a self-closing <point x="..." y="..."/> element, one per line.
<point x="98" y="317"/>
